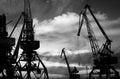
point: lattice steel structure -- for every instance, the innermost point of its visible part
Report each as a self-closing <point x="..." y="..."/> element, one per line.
<point x="103" y="58"/>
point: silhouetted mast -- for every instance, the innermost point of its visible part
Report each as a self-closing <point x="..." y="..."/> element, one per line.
<point x="28" y="34"/>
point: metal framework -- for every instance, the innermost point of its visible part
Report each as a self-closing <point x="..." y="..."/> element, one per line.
<point x="28" y="65"/>
<point x="103" y="58"/>
<point x="7" y="66"/>
<point x="73" y="74"/>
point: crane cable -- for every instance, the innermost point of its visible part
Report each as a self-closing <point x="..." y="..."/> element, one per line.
<point x="15" y="26"/>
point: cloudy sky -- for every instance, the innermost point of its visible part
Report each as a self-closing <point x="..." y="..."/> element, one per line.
<point x="56" y="26"/>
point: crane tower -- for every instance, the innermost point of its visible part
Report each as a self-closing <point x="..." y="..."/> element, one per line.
<point x="29" y="63"/>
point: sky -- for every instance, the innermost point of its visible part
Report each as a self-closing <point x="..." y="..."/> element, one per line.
<point x="56" y="26"/>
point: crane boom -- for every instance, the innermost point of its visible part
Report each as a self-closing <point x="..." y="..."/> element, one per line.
<point x="63" y="52"/>
<point x="96" y="46"/>
<point x="73" y="73"/>
<point x="81" y="21"/>
<point x="91" y="35"/>
<point x="100" y="27"/>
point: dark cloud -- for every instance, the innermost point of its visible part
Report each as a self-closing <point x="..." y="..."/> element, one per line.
<point x="50" y="8"/>
<point x="12" y="8"/>
<point x="41" y="9"/>
<point x="110" y="7"/>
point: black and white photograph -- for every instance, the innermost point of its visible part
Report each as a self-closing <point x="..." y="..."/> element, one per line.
<point x="59" y="39"/>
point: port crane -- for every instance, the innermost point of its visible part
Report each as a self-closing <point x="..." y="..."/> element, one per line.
<point x="8" y="68"/>
<point x="29" y="63"/>
<point x="73" y="74"/>
<point x="103" y="57"/>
